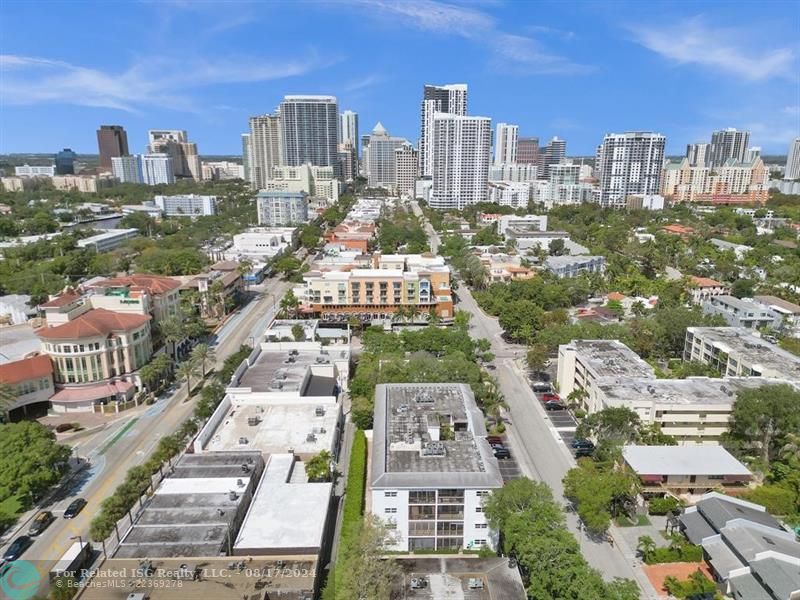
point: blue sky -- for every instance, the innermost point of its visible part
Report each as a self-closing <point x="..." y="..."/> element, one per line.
<point x="573" y="69"/>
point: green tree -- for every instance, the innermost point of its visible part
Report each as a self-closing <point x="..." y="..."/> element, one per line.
<point x="210" y="397"/>
<point x="298" y="332"/>
<point x="617" y="425"/>
<point x="201" y="355"/>
<point x="600" y="492"/>
<point x="318" y="467"/>
<point x="8" y="395"/>
<point x="761" y="420"/>
<point x="537" y="357"/>
<point x="185" y="372"/>
<point x="289" y="304"/>
<point x="556" y="247"/>
<point x="173" y="331"/>
<point x="646" y="547"/>
<point x="364" y="572"/>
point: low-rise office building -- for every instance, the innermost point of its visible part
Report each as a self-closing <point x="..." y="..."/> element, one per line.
<point x="740" y="312"/>
<point x="685" y="469"/>
<point x="109" y="240"/>
<point x="431" y="467"/>
<point x="572" y="266"/>
<point x="153" y="295"/>
<point x="735" y="351"/>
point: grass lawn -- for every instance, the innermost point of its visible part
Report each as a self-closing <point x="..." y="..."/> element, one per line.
<point x="10" y="508"/>
<point x="641" y="521"/>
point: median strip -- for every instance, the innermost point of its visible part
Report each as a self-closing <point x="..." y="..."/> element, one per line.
<point x="118" y="435"/>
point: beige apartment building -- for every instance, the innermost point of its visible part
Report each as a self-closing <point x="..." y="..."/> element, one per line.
<point x="393" y="282"/>
<point x="734" y="181"/>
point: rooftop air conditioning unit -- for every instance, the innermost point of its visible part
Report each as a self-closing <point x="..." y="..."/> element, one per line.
<point x="319" y="411"/>
<point x="243" y="441"/>
<point x="233" y="496"/>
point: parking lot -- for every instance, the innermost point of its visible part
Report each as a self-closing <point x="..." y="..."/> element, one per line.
<point x="563" y="422"/>
<point x="509" y="468"/>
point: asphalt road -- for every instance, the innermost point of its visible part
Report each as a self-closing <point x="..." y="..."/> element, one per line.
<point x="130" y="440"/>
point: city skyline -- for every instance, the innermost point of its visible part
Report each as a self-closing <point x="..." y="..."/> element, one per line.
<point x="532" y="69"/>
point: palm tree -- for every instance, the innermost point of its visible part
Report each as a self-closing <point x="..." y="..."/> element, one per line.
<point x="413" y="312"/>
<point x="185" y="372"/>
<point x="201" y="354"/>
<point x="289" y="304"/>
<point x="646" y="547"/>
<point x="790" y="452"/>
<point x="173" y="332"/>
<point x="245" y="266"/>
<point x="433" y="318"/>
<point x="217" y="298"/>
<point x="400" y="314"/>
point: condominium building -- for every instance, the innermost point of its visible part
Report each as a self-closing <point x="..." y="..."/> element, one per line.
<point x="461" y="148"/>
<point x="309" y="131"/>
<point x="793" y="160"/>
<point x="246" y="158"/>
<point x="379" y="158"/>
<point x="572" y="266"/>
<point x="406" y="169"/>
<point x="392" y="282"/>
<point x="698" y="155"/>
<point x="348" y="160"/>
<point x="35" y="171"/>
<point x="112" y="140"/>
<point x="348" y="129"/>
<point x="736" y="351"/>
<point x="515" y="194"/>
<point x="187" y="205"/>
<point x="752" y="153"/>
<point x="565" y="186"/>
<point x="316" y="182"/>
<point x="627" y="164"/>
<point x="88" y="184"/>
<point x="598" y="374"/>
<point x="432" y="468"/>
<point x="517" y="172"/>
<point x="726" y="144"/>
<point x="437" y="99"/>
<point x="264" y="149"/>
<point x="175" y="143"/>
<point x="528" y="151"/>
<point x="128" y="169"/>
<point x="280" y="209"/>
<point x="222" y="170"/>
<point x="157" y="169"/>
<point x="505" y="144"/>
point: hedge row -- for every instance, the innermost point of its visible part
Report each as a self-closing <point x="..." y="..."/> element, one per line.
<point x="353" y="511"/>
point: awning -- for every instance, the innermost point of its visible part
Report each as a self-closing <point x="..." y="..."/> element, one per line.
<point x="91" y="393"/>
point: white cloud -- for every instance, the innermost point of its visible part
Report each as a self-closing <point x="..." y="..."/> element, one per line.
<point x="149" y="82"/>
<point x="512" y="52"/>
<point x="692" y="41"/>
<point x="364" y="82"/>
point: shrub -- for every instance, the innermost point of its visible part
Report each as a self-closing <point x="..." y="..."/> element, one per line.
<point x="62" y="427"/>
<point x="662" y="506"/>
<point x="579" y="413"/>
<point x="778" y="500"/>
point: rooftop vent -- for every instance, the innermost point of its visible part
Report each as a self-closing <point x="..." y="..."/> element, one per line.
<point x="276" y="385"/>
<point x="289" y="360"/>
<point x="311" y="437"/>
<point x="281" y="375"/>
<point x="323" y="360"/>
<point x="245" y="468"/>
<point x="243" y="441"/>
<point x="402" y="409"/>
<point x="424" y="398"/>
<point x="240" y="482"/>
<point x="253" y="421"/>
<point x="293" y="353"/>
<point x="433" y="449"/>
<point x="232" y="496"/>
<point x="319" y="411"/>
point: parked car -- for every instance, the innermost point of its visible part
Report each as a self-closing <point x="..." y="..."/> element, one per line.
<point x="502" y="453"/>
<point x="540" y="387"/>
<point x="494" y="439"/>
<point x="553" y="405"/>
<point x="581" y="452"/>
<point x="497" y="446"/>
<point x="17" y="547"/>
<point x="547" y="396"/>
<point x="581" y="443"/>
<point x="40" y="523"/>
<point x="74" y="508"/>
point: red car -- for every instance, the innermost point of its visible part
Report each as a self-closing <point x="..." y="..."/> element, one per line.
<point x="550" y="396"/>
<point x="495" y="439"/>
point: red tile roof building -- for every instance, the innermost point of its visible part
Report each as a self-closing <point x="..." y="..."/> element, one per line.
<point x="31" y="378"/>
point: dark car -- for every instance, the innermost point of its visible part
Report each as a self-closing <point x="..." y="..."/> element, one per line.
<point x="581" y="443"/>
<point x="553" y="405"/>
<point x="548" y="396"/>
<point x="496" y="446"/>
<point x="502" y="453"/>
<point x="581" y="452"/>
<point x="17" y="547"/>
<point x="40" y="522"/>
<point x="540" y="387"/>
<point x="494" y="439"/>
<point x="74" y="508"/>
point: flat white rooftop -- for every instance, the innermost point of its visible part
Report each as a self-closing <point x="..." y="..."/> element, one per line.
<point x="682" y="460"/>
<point x="284" y="517"/>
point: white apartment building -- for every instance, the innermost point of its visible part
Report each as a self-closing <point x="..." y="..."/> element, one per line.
<point x="606" y="373"/>
<point x="222" y="170"/>
<point x="264" y="149"/>
<point x="431" y="467"/>
<point x="461" y="148"/>
<point x="515" y="194"/>
<point x="793" y="160"/>
<point x="281" y="209"/>
<point x="698" y="154"/>
<point x="629" y="163"/>
<point x="406" y="169"/>
<point x="187" y="205"/>
<point x="565" y="186"/>
<point x="317" y="182"/>
<point x="519" y="172"/>
<point x="264" y="243"/>
<point x="175" y="143"/>
<point x="156" y="169"/>
<point x="572" y="266"/>
<point x="128" y="169"/>
<point x="35" y="171"/>
<point x="736" y="351"/>
<point x="530" y="222"/>
<point x="505" y="144"/>
<point x="379" y="161"/>
<point x="437" y="98"/>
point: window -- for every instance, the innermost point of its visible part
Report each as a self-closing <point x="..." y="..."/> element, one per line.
<point x="390" y="510"/>
<point x="390" y="494"/>
<point x="480" y="542"/>
<point x="481" y="526"/>
<point x="482" y="493"/>
<point x="479" y="509"/>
